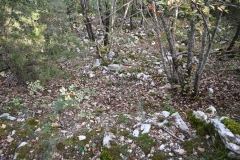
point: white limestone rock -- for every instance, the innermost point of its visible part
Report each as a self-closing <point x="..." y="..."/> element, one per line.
<point x="136" y="133"/>
<point x="200" y="115"/>
<point x="179" y="121"/>
<point x="145" y="128"/>
<point x="210" y="90"/>
<point x="8" y="116"/>
<point x="111" y="54"/>
<point x="97" y="63"/>
<point x="212" y="109"/>
<point x="81" y="137"/>
<point x="230" y="140"/>
<point x="142" y="76"/>
<point x="165" y="113"/>
<point x="107" y="138"/>
<point x="114" y="67"/>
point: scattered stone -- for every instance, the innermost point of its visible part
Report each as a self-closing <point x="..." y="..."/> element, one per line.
<point x="114" y="67"/>
<point x="122" y="138"/>
<point x="179" y="121"/>
<point x="145" y="128"/>
<point x="22" y="144"/>
<point x="7" y="116"/>
<point x="97" y="63"/>
<point x="230" y="140"/>
<point x="13" y="132"/>
<point x="81" y="137"/>
<point x="181" y="151"/>
<point x="160" y="71"/>
<point x="165" y="113"/>
<point x="106" y="140"/>
<point x="210" y="90"/>
<point x="111" y="54"/>
<point x="213" y="109"/>
<point x="136" y="133"/>
<point x="162" y="147"/>
<point x="200" y="115"/>
<point x="157" y="63"/>
<point x="152" y="83"/>
<point x="144" y="52"/>
<point x="162" y="123"/>
<point x="142" y="76"/>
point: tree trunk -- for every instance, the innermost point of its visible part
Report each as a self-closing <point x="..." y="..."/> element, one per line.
<point x="87" y="21"/>
<point x="204" y="56"/>
<point x="234" y="38"/>
<point x="106" y="23"/>
<point x="172" y="47"/>
<point x="131" y="17"/>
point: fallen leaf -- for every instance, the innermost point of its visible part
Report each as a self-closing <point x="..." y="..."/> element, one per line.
<point x="10" y="139"/>
<point x="55" y="124"/>
<point x="201" y="149"/>
<point x="99" y="129"/>
<point x="3" y="126"/>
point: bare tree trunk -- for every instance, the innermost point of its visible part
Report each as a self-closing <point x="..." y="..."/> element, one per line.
<point x="157" y="28"/>
<point x="87" y="21"/>
<point x="107" y="23"/>
<point x="99" y="9"/>
<point x="131" y="16"/>
<point x="204" y="56"/>
<point x="172" y="47"/>
<point x="234" y="38"/>
<point x="125" y="13"/>
<point x="113" y="12"/>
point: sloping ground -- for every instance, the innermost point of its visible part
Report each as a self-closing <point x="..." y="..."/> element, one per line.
<point x="98" y="104"/>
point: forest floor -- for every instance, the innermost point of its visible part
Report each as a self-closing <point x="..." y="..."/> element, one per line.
<point x="70" y="118"/>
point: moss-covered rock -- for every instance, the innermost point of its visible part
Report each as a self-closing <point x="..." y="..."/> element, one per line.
<point x="105" y="155"/>
<point x="202" y="128"/>
<point x="23" y="152"/>
<point x="232" y="125"/>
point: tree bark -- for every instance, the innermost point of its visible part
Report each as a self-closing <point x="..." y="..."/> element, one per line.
<point x="106" y="23"/>
<point x="87" y="21"/>
<point x="204" y="57"/>
<point x="234" y="38"/>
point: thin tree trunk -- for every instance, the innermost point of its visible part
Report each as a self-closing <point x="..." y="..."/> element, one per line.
<point x="87" y="21"/>
<point x="234" y="38"/>
<point x="172" y="47"/>
<point x="113" y="12"/>
<point x="125" y="14"/>
<point x="204" y="59"/>
<point x="99" y="9"/>
<point x="157" y="28"/>
<point x="106" y="24"/>
<point x="131" y="17"/>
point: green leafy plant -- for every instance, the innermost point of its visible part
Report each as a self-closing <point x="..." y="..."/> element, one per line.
<point x="35" y="87"/>
<point x="17" y="101"/>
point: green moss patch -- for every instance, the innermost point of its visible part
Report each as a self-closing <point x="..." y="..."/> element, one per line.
<point x="146" y="143"/>
<point x="31" y="122"/>
<point x="202" y="128"/>
<point x="23" y="152"/>
<point x="124" y="133"/>
<point x="232" y="125"/>
<point x="159" y="156"/>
